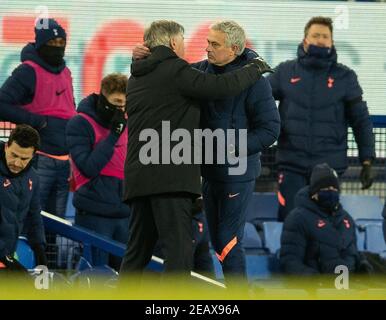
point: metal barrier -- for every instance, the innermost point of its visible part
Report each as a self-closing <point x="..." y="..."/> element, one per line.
<point x="350" y="183"/>
<point x="88" y="239"/>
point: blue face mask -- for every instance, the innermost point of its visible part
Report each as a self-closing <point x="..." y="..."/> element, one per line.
<point x="318" y="52"/>
<point x="328" y="199"/>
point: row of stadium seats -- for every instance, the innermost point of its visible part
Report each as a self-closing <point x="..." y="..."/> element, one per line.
<point x="369" y="237"/>
<point x="264" y="207"/>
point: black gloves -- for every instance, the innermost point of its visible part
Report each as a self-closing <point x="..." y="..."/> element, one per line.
<point x="118" y="122"/>
<point x="262" y="66"/>
<point x="367" y="175"/>
<point x="40" y="255"/>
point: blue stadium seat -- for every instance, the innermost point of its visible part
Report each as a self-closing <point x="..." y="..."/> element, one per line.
<point x="360" y="233"/>
<point x="258" y="267"/>
<point x="272" y="233"/>
<point x="24" y="253"/>
<point x="251" y="238"/>
<point x="262" y="207"/>
<point x="374" y="241"/>
<point x="362" y="207"/>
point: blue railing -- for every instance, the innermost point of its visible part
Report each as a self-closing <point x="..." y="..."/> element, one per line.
<point x="90" y="239"/>
<point x="379" y="121"/>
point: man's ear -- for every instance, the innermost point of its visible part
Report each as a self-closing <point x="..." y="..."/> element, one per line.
<point x="173" y="43"/>
<point x="304" y="44"/>
<point x="235" y="49"/>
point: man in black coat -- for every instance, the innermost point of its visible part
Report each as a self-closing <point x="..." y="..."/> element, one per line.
<point x="318" y="235"/>
<point x="163" y="94"/>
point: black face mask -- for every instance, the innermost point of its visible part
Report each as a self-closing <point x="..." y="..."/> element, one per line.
<point x="105" y="110"/>
<point x="52" y="55"/>
<point x="328" y="200"/>
<point x="318" y="52"/>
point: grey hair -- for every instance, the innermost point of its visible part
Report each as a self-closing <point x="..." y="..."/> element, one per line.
<point x="235" y="34"/>
<point x="160" y="33"/>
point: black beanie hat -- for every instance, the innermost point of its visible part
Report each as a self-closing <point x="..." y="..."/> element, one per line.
<point x="46" y="30"/>
<point x="323" y="176"/>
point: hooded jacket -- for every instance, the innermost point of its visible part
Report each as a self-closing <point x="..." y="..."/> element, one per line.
<point x="102" y="194"/>
<point x="19" y="90"/>
<point x="20" y="207"/>
<point x="314" y="241"/>
<point x="319" y="100"/>
<point x="166" y="88"/>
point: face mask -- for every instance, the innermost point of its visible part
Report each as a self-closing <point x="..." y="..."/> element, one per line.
<point x="318" y="52"/>
<point x="52" y="55"/>
<point x="328" y="199"/>
<point x="105" y="110"/>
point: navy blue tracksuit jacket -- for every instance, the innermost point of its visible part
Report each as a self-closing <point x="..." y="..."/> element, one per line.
<point x="20" y="206"/>
<point x="254" y="109"/>
<point x="319" y="100"/>
<point x="314" y="241"/>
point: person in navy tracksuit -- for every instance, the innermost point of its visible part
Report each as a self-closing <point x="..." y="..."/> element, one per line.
<point x="97" y="140"/>
<point x="319" y="99"/>
<point x="19" y="197"/>
<point x="226" y="196"/>
<point x="39" y="93"/>
<point x="319" y="235"/>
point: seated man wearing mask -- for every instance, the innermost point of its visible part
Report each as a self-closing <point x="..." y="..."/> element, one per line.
<point x="319" y="235"/>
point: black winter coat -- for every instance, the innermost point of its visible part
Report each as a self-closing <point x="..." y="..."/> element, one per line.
<point x="253" y="109"/>
<point x="319" y="100"/>
<point x="102" y="195"/>
<point x="19" y="208"/>
<point x="314" y="241"/>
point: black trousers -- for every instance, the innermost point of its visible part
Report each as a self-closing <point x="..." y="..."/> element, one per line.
<point x="167" y="218"/>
